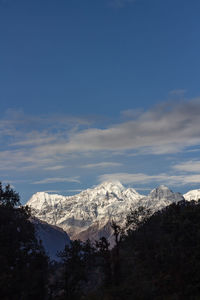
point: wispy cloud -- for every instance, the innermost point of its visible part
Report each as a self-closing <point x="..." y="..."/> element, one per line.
<point x="178" y="92"/>
<point x="54" y="168"/>
<point x="23" y="159"/>
<point x="57" y="180"/>
<point x="102" y="165"/>
<point x="52" y="191"/>
<point x="140" y="178"/>
<point x="37" y="143"/>
<point x="142" y="189"/>
<point x="23" y="137"/>
<point x="132" y="178"/>
<point x="192" y="166"/>
<point x="164" y="129"/>
<point x="35" y="138"/>
<point x="74" y="191"/>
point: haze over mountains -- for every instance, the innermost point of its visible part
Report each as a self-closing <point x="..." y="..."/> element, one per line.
<point x="53" y="238"/>
<point x="89" y="213"/>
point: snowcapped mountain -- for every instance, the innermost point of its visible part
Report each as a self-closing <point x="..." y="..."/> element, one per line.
<point x="88" y="214"/>
<point x="160" y="198"/>
<point x="53" y="238"/>
<point x="90" y="210"/>
<point x="192" y="195"/>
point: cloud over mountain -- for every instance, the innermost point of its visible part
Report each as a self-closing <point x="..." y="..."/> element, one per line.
<point x="161" y="130"/>
<point x="64" y="149"/>
<point x="139" y="178"/>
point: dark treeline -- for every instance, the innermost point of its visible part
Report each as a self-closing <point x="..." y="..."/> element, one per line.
<point x="155" y="257"/>
<point x="23" y="262"/>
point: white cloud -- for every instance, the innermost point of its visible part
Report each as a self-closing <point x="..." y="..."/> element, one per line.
<point x="188" y="166"/>
<point x="165" y="129"/>
<point x="132" y="178"/>
<point x="140" y="178"/>
<point x="23" y="159"/>
<point x="142" y="189"/>
<point x="57" y="180"/>
<point x="52" y="191"/>
<point x="74" y="191"/>
<point x="35" y="139"/>
<point x="102" y="165"/>
<point x="42" y="142"/>
<point x="54" y="168"/>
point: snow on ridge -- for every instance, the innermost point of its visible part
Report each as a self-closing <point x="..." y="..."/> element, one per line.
<point x="108" y="200"/>
<point x="192" y="195"/>
<point x="89" y="213"/>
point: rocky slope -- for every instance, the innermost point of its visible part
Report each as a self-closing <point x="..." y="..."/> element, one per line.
<point x="88" y="214"/>
<point x="160" y="198"/>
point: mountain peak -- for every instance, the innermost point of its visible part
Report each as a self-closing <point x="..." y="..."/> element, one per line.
<point x="87" y="214"/>
<point x="192" y="195"/>
<point x="109" y="185"/>
<point x="163" y="192"/>
<point x="162" y="187"/>
<point x="80" y="213"/>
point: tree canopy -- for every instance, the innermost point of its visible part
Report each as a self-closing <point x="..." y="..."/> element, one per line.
<point x="22" y="258"/>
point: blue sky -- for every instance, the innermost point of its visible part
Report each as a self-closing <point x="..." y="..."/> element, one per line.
<point x="99" y="90"/>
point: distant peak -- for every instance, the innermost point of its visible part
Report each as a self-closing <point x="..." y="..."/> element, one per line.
<point x="163" y="187"/>
<point x="110" y="184"/>
<point x="192" y="195"/>
<point x="41" y="193"/>
<point x="160" y="190"/>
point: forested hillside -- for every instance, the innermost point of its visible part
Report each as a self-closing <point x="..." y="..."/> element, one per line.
<point x="161" y="259"/>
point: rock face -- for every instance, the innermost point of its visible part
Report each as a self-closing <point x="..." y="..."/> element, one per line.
<point x="160" y="198"/>
<point x="192" y="195"/>
<point x="53" y="238"/>
<point x="88" y="214"/>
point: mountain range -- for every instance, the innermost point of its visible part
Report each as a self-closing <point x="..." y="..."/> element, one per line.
<point x="89" y="213"/>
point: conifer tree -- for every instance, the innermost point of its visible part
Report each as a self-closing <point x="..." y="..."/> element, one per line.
<point x="103" y="251"/>
<point x="23" y="262"/>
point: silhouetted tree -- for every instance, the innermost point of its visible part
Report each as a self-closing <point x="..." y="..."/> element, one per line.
<point x="137" y="217"/>
<point x="75" y="273"/>
<point x="105" y="256"/>
<point x="8" y="197"/>
<point x="23" y="263"/>
<point x="118" y="233"/>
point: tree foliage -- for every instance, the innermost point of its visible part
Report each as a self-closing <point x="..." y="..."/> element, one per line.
<point x="77" y="259"/>
<point x="136" y="217"/>
<point x="8" y="197"/>
<point x="23" y="262"/>
<point x="105" y="262"/>
<point x="160" y="258"/>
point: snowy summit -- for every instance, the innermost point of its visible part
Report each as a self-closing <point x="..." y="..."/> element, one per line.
<point x="88" y="214"/>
